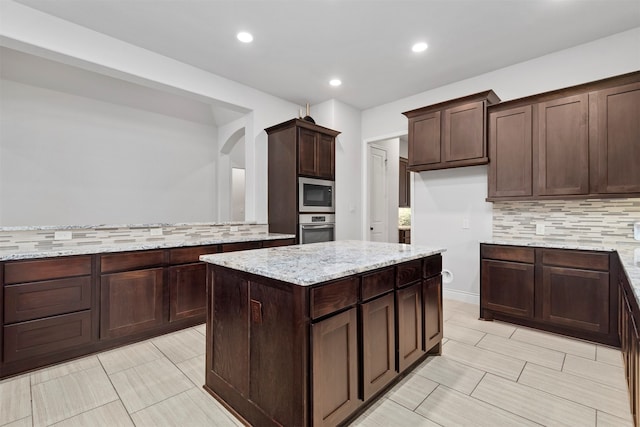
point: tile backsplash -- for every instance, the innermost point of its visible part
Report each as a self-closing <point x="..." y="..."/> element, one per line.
<point x="594" y="221"/>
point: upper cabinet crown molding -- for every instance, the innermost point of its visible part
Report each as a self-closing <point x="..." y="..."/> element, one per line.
<point x="578" y="142"/>
<point x="449" y="134"/>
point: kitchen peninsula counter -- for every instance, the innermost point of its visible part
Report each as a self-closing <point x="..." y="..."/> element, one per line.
<point x="313" y="334"/>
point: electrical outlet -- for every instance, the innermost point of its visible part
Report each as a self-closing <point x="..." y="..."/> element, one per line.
<point x="62" y="235"/>
<point x="540" y="229"/>
<point x="155" y="231"/>
<point x="465" y="223"/>
<point x="233" y="228"/>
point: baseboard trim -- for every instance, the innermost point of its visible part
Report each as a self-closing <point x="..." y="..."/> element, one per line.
<point x="463" y="296"/>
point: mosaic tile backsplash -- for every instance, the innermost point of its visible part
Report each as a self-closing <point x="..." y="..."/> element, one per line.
<point x="601" y="222"/>
<point x="42" y="238"/>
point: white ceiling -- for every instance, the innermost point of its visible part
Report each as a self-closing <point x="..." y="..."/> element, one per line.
<point x="300" y="44"/>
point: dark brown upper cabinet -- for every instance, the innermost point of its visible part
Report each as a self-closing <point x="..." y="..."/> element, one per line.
<point x="316" y="154"/>
<point x="578" y="142"/>
<point x="450" y="134"/>
<point x="614" y="131"/>
<point x="510" y="133"/>
<point x="561" y="152"/>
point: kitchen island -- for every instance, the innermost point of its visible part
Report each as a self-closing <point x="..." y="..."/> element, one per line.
<point x="312" y="334"/>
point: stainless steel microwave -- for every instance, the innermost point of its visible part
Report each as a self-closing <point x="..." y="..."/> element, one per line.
<point x="316" y="195"/>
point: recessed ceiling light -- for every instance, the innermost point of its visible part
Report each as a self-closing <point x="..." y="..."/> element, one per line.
<point x="245" y="37"/>
<point x="335" y="82"/>
<point x="419" y="47"/>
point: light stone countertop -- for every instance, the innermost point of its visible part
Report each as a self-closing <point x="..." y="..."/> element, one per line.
<point x="314" y="263"/>
<point x="629" y="254"/>
<point x="34" y="251"/>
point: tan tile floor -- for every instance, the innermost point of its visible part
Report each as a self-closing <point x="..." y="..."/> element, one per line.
<point x="490" y="374"/>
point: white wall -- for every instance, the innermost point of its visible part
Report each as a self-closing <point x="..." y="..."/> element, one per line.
<point x="27" y="30"/>
<point x="349" y="185"/>
<point x="67" y="159"/>
<point x="440" y="199"/>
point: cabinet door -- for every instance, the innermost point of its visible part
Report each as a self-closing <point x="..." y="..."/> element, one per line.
<point x="228" y="323"/>
<point x="507" y="287"/>
<point x="424" y="139"/>
<point x="409" y="312"/>
<point x="187" y="291"/>
<point x="307" y="155"/>
<point x="325" y="161"/>
<point x="335" y="368"/>
<point x="561" y="150"/>
<point x="510" y="152"/>
<point x="130" y="302"/>
<point x="615" y="139"/>
<point x="378" y="344"/>
<point x="576" y="298"/>
<point x="432" y="296"/>
<point x="463" y="137"/>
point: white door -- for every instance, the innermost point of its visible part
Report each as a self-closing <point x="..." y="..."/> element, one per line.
<point x="237" y="194"/>
<point x="377" y="190"/>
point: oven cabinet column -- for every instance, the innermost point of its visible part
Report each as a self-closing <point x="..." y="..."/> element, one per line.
<point x="257" y="341"/>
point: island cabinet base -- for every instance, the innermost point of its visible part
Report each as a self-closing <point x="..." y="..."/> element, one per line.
<point x="281" y="354"/>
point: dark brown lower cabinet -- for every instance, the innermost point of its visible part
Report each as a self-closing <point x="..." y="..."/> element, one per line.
<point x="187" y="291"/>
<point x="283" y="354"/>
<point x="44" y="336"/>
<point x="409" y="309"/>
<point x="335" y="368"/>
<point x="576" y="298"/>
<point x="130" y="302"/>
<point x="432" y="297"/>
<point x="570" y="292"/>
<point x="629" y="323"/>
<point x="378" y="344"/>
<point x="508" y="287"/>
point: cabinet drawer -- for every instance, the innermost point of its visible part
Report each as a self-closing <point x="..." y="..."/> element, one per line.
<point x="44" y="336"/>
<point x="334" y="296"/>
<point x="409" y="272"/>
<point x="279" y="242"/>
<point x="377" y="283"/>
<point x="241" y="246"/>
<point x="34" y="300"/>
<point x="46" y="269"/>
<point x="433" y="266"/>
<point x="576" y="259"/>
<point x="130" y="260"/>
<point x="509" y="253"/>
<point x="191" y="254"/>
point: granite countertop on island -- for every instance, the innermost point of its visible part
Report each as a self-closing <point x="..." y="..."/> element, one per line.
<point x="314" y="263"/>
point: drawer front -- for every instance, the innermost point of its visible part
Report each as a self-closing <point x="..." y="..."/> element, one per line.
<point x="509" y="253"/>
<point x="44" y="336"/>
<point x="279" y="242"/>
<point x="377" y="283"/>
<point x="190" y="254"/>
<point x="334" y="296"/>
<point x="576" y="259"/>
<point x="433" y="266"/>
<point x="46" y="269"/>
<point x="241" y="246"/>
<point x="130" y="260"/>
<point x="409" y="272"/>
<point x="34" y="300"/>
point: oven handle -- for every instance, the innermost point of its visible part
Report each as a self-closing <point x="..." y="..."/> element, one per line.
<point x="316" y="226"/>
